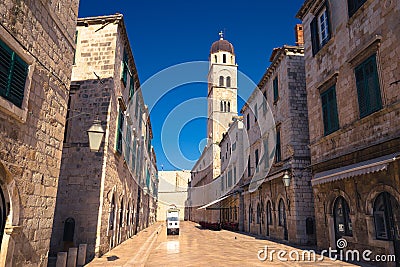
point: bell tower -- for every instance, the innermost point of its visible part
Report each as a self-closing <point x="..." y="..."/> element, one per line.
<point x="222" y="89"/>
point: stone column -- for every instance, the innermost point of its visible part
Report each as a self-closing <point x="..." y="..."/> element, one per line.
<point x="61" y="259"/>
<point x="72" y="254"/>
<point x="82" y="254"/>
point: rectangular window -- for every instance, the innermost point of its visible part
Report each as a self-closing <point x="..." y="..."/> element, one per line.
<point x="248" y="121"/>
<point x="329" y="110"/>
<point x="266" y="154"/>
<point x="248" y="167"/>
<point x="222" y="183"/>
<point x="133" y="162"/>
<point x="127" y="144"/>
<point x="131" y="86"/>
<point x="275" y="87"/>
<point x="354" y="5"/>
<point x="230" y="178"/>
<point x="320" y="29"/>
<point x="234" y="175"/>
<point x="120" y="132"/>
<point x="278" y="155"/>
<point x="125" y="67"/>
<point x="264" y="103"/>
<point x="256" y="157"/>
<point x="255" y="112"/>
<point x="76" y="41"/>
<point x="13" y="74"/>
<point x="367" y="81"/>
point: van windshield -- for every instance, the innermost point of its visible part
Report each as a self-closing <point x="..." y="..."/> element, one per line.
<point x="173" y="219"/>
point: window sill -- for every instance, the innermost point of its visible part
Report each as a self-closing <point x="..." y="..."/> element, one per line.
<point x="322" y="50"/>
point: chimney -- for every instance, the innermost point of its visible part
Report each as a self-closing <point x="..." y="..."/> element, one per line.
<point x="299" y="34"/>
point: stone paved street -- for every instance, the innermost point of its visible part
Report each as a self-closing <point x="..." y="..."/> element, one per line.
<point x="196" y="247"/>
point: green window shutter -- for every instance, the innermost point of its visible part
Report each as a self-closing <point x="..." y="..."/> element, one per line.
<point x="17" y="85"/>
<point x="368" y="89"/>
<point x="314" y="36"/>
<point x="119" y="132"/>
<point x="13" y="73"/>
<point x="5" y="66"/>
<point x="125" y="68"/>
<point x="276" y="90"/>
<point x="329" y="110"/>
<point x="131" y="86"/>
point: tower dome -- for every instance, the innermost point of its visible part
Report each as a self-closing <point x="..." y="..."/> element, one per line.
<point x="222" y="45"/>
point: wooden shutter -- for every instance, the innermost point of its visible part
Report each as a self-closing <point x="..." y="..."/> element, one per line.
<point x="13" y="73"/>
<point x="18" y="78"/>
<point x="314" y="35"/>
<point x="5" y="66"/>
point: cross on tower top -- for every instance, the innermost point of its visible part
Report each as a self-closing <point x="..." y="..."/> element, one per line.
<point x="221" y="35"/>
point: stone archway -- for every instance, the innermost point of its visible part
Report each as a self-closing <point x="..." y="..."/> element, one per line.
<point x="11" y="227"/>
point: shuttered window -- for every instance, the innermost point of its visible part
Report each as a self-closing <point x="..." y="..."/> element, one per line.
<point x="367" y="81"/>
<point x="128" y="144"/>
<point x="278" y="155"/>
<point x="13" y="73"/>
<point x="120" y="132"/>
<point x="125" y="67"/>
<point x="133" y="161"/>
<point x="276" y="89"/>
<point x="131" y="86"/>
<point x="329" y="110"/>
<point x="320" y="28"/>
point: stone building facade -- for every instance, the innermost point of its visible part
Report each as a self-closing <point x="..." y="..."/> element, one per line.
<point x="275" y="117"/>
<point x="104" y="197"/>
<point x="352" y="64"/>
<point x="36" y="51"/>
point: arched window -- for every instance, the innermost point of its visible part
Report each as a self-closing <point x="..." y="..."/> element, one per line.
<point x="228" y="81"/>
<point x="69" y="230"/>
<point x="224" y="58"/>
<point x="222" y="106"/>
<point x="250" y="214"/>
<point x="121" y="214"/>
<point x="221" y="80"/>
<point x="127" y="215"/>
<point x="386" y="217"/>
<point x="269" y="213"/>
<point x="229" y="106"/>
<point x="282" y="213"/>
<point x="215" y="59"/>
<point x="258" y="213"/>
<point x="112" y="214"/>
<point x="342" y="219"/>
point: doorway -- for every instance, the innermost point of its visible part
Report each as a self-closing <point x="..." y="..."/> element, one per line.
<point x="387" y="221"/>
<point x="282" y="219"/>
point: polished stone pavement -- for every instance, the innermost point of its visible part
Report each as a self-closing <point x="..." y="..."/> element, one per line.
<point x="198" y="247"/>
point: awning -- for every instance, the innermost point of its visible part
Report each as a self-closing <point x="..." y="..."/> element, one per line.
<point x="364" y="167"/>
<point x="215" y="201"/>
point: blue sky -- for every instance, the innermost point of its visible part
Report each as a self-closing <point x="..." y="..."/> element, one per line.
<point x="165" y="33"/>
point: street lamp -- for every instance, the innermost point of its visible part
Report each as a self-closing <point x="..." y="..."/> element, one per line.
<point x="95" y="133"/>
<point x="286" y="179"/>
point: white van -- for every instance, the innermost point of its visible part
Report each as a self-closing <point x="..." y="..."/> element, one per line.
<point x="172" y="221"/>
